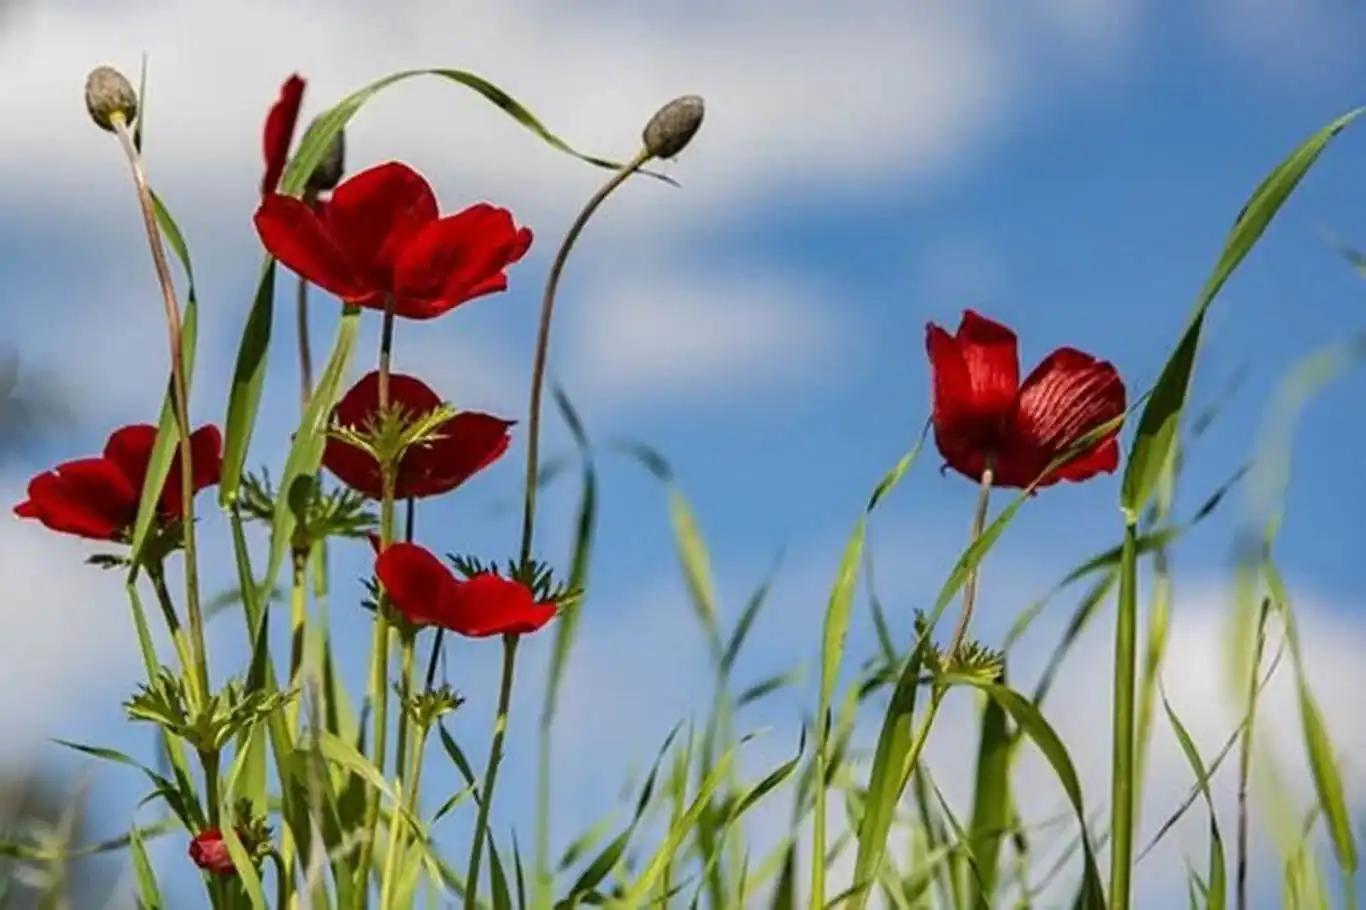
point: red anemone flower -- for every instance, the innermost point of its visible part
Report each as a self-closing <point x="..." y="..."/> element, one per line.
<point x="381" y="235"/>
<point x="466" y="444"/>
<point x="98" y="497"/>
<point x="428" y="594"/>
<point x="209" y="852"/>
<point x="982" y="412"/>
<point x="279" y="131"/>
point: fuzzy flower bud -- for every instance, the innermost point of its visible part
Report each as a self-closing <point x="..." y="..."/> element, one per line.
<point x="329" y="171"/>
<point x="107" y="94"/>
<point x="672" y="128"/>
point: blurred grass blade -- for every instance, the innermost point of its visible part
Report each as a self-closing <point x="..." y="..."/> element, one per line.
<point x="148" y="892"/>
<point x="1216" y="883"/>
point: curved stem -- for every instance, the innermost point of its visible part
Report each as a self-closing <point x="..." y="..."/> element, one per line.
<point x="298" y="619"/>
<point x="180" y="396"/>
<point x="543" y="344"/>
<point x="500" y="725"/>
<point x="979" y="522"/>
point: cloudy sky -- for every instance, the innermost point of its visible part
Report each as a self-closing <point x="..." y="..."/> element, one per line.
<point x="1066" y="166"/>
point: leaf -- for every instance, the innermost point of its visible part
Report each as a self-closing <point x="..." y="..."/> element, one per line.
<point x="1216" y="887"/>
<point x="1157" y="427"/>
<point x="991" y="803"/>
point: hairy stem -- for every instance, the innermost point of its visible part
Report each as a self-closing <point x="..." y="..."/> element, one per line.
<point x="543" y="344"/>
<point x="180" y="397"/>
<point x="979" y="523"/>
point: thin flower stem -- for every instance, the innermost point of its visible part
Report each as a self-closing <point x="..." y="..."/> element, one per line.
<point x="180" y="395"/>
<point x="500" y="726"/>
<point x="979" y="523"/>
<point x="406" y="778"/>
<point x="380" y="645"/>
<point x="209" y="760"/>
<point x="543" y="343"/>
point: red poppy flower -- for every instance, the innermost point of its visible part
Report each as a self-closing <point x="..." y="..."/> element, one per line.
<point x="381" y="234"/>
<point x="982" y="411"/>
<point x="279" y="131"/>
<point x="98" y="497"/>
<point x="210" y="853"/>
<point x="428" y="594"/>
<point x="468" y="442"/>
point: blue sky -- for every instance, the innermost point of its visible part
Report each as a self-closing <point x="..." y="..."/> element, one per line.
<point x="1069" y="167"/>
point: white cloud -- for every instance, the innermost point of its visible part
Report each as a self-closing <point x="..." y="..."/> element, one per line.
<point x="65" y="627"/>
<point x="699" y="332"/>
<point x="1298" y="40"/>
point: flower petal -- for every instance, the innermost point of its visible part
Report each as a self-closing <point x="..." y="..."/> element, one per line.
<point x="990" y="352"/>
<point x="489" y="604"/>
<point x="374" y="214"/>
<point x="295" y="235"/>
<point x="206" y="465"/>
<point x="456" y="259"/>
<point x="279" y="131"/>
<point x="1068" y="394"/>
<point x="88" y="498"/>
<point x="417" y="583"/>
<point x="469" y="442"/>
<point x="130" y="450"/>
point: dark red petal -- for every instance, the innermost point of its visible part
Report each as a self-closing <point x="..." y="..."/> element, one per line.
<point x="353" y="467"/>
<point x="279" y="132"/>
<point x="1066" y="396"/>
<point x="456" y="259"/>
<point x="209" y="852"/>
<point x="469" y="442"/>
<point x="374" y="214"/>
<point x="130" y="450"/>
<point x="206" y="465"/>
<point x="962" y="436"/>
<point x="489" y="604"/>
<point x="292" y="233"/>
<point x="991" y="354"/>
<point x="417" y="583"/>
<point x="88" y="498"/>
<point x="360" y="404"/>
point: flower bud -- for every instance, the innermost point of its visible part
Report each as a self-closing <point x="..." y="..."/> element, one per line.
<point x="107" y="94"/>
<point x="329" y="171"/>
<point x="672" y="128"/>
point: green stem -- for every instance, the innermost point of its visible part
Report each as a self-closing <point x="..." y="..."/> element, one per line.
<point x="543" y="343"/>
<point x="544" y="884"/>
<point x="1122" y="761"/>
<point x="380" y="645"/>
<point x="397" y="823"/>
<point x="156" y="572"/>
<point x="305" y="348"/>
<point x="500" y="725"/>
<point x="979" y="522"/>
<point x="180" y="397"/>
<point x="209" y="760"/>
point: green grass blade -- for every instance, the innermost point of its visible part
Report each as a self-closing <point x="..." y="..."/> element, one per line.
<point x="1157" y="428"/>
<point x="148" y="892"/>
<point x="991" y="803"/>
